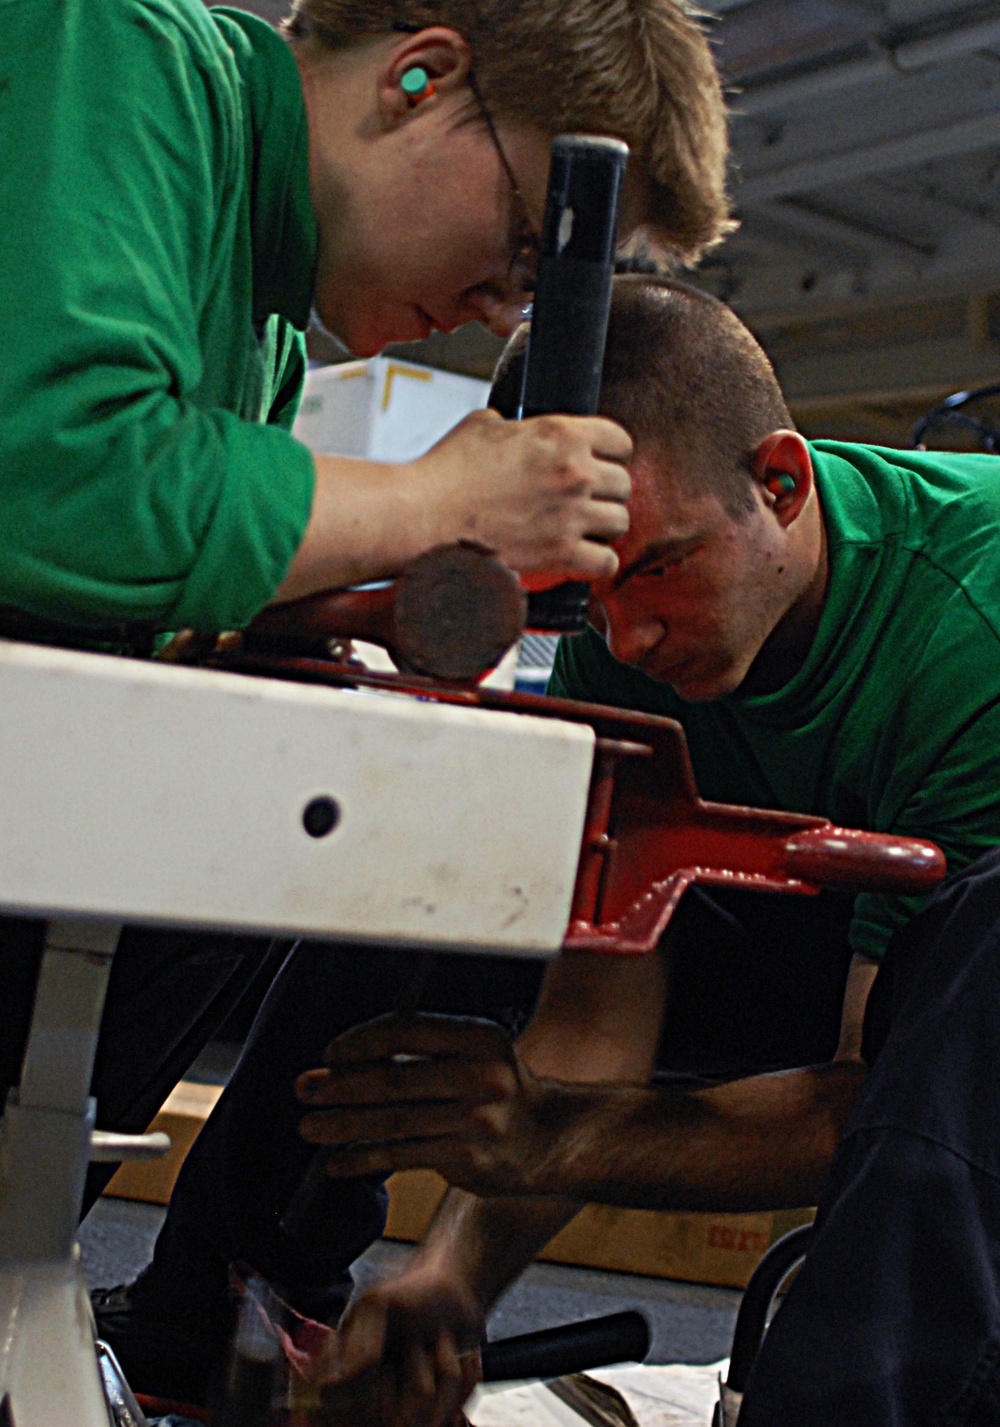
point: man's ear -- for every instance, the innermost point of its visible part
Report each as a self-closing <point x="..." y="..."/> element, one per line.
<point x="782" y="468"/>
<point x="443" y="56"/>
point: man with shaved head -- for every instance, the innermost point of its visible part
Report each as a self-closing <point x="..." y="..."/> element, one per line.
<point x="824" y="620"/>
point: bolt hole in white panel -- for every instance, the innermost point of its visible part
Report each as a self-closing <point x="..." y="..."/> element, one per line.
<point x="168" y="795"/>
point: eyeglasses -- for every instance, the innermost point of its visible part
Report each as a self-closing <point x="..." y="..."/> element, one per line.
<point x="525" y="242"/>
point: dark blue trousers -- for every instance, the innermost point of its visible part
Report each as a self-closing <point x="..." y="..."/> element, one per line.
<point x="246" y="1164"/>
<point x="894" y="1319"/>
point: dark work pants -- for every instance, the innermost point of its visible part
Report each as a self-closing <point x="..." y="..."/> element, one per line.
<point x="894" y="1319"/>
<point x="757" y="982"/>
<point x="245" y="1165"/>
<point x="168" y="994"/>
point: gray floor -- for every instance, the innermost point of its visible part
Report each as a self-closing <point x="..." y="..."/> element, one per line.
<point x="689" y="1323"/>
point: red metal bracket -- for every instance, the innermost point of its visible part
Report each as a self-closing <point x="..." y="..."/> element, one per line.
<point x="648" y="835"/>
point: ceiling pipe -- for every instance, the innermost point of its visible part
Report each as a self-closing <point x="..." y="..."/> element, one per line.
<point x="970" y="39"/>
<point x="767" y="223"/>
<point x="800" y="219"/>
<point x="832" y="80"/>
<point x="881" y="63"/>
<point x="886" y="156"/>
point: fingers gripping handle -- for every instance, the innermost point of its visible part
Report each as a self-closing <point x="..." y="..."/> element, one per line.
<point x="569" y="322"/>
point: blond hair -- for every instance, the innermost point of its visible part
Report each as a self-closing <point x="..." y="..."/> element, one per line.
<point x="639" y="70"/>
<point x="681" y="373"/>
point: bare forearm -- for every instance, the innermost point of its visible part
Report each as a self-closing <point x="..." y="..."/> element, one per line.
<point x="491" y="1240"/>
<point x="366" y="524"/>
<point x="487" y="1243"/>
<point x="761" y="1143"/>
<point x="546" y="495"/>
<point x="765" y="1142"/>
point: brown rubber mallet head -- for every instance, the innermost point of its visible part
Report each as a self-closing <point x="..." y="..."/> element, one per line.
<point x="452" y="614"/>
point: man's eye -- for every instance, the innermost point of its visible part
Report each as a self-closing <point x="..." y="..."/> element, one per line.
<point x="664" y="567"/>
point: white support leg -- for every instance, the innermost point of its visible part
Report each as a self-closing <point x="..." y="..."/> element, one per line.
<point x="48" y="1368"/>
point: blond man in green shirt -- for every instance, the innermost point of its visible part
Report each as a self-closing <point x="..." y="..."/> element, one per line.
<point x="179" y="187"/>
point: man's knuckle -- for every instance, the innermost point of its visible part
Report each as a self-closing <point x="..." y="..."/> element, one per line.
<point x="490" y="1121"/>
<point x="499" y="1079"/>
<point x="550" y="428"/>
<point x="480" y="1160"/>
<point x="571" y="478"/>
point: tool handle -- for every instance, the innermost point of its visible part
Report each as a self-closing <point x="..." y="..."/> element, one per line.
<point x="254" y="1367"/>
<point x="575" y="1347"/>
<point x="569" y="319"/>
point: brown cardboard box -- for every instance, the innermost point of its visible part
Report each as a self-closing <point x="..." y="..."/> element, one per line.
<point x="719" y="1249"/>
<point x="186" y="1109"/>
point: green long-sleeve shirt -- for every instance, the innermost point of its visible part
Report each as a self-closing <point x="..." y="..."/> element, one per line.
<point x="893" y="722"/>
<point x="156" y="267"/>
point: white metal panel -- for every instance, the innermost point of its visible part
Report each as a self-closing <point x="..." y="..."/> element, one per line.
<point x="153" y="793"/>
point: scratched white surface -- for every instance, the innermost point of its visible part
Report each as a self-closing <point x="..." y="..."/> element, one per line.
<point x="138" y="791"/>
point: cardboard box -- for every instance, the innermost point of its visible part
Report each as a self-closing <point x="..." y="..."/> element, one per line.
<point x="187" y="1108"/>
<point x="383" y="409"/>
<point x="720" y="1249"/>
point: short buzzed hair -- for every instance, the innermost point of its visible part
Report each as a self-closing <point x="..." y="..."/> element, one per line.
<point x="681" y="372"/>
<point x="637" y="70"/>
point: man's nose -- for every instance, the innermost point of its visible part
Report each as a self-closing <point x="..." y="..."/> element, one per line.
<point x="630" y="636"/>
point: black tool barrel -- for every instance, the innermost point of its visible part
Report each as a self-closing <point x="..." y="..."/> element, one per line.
<point x="576" y="1347"/>
<point x="569" y="320"/>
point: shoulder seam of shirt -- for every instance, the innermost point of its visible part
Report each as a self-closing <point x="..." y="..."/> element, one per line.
<point x="843" y="542"/>
<point x="959" y="584"/>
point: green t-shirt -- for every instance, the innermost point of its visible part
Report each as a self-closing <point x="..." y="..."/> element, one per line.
<point x="156" y="271"/>
<point x="893" y="722"/>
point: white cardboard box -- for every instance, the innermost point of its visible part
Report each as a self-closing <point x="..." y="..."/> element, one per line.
<point x="383" y="409"/>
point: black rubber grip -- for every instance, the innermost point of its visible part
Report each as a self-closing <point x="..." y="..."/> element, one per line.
<point x="576" y="1347"/>
<point x="569" y="318"/>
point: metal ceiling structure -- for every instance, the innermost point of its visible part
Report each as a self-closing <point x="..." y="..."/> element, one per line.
<point x="866" y="138"/>
<point x="866" y="135"/>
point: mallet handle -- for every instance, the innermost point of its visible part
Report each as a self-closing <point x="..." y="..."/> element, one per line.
<point x="569" y="321"/>
<point x="573" y="1348"/>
